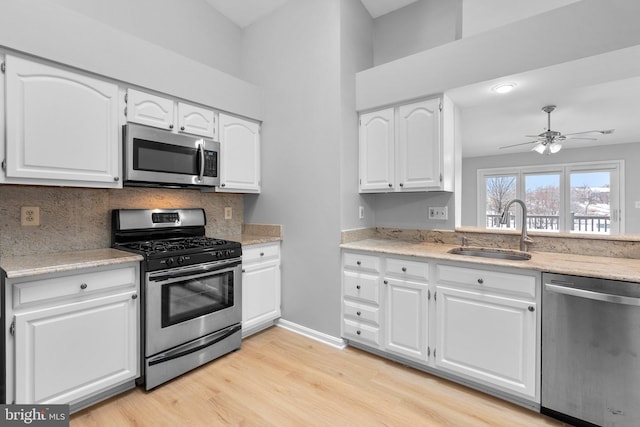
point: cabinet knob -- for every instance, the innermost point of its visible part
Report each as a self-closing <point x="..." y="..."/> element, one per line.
<point x="404" y="269"/>
<point x="358" y="287"/>
<point x="116" y="178"/>
<point x="261" y="253"/>
<point x="386" y="282"/>
<point x="170" y="126"/>
<point x="532" y="308"/>
<point x="134" y="296"/>
<point x="223" y="184"/>
<point x="358" y="332"/>
<point x="181" y="127"/>
<point x="358" y="313"/>
<point x="401" y="185"/>
<point x="358" y="262"/>
<point x="480" y="281"/>
<point x="243" y="270"/>
<point x="390" y="185"/>
<point x="83" y="286"/>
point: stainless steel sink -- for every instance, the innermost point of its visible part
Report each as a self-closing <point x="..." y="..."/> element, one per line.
<point x="504" y="254"/>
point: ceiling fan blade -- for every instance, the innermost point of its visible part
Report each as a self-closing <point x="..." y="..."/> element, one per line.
<point x="587" y="139"/>
<point x="515" y="145"/>
<point x="603" y="132"/>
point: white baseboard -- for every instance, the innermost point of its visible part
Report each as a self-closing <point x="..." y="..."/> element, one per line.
<point x="338" y="343"/>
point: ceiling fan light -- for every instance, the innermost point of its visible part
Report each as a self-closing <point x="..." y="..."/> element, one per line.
<point x="555" y="147"/>
<point x="539" y="148"/>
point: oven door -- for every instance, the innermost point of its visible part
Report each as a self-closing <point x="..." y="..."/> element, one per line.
<point x="159" y="157"/>
<point x="184" y="304"/>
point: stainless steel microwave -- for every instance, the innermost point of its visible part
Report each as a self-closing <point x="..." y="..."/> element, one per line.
<point x="159" y="158"/>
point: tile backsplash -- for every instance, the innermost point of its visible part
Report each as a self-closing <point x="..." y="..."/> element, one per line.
<point x="73" y="219"/>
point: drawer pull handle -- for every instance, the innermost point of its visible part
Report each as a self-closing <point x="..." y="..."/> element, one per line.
<point x="83" y="286"/>
<point x="358" y="287"/>
<point x="404" y="269"/>
<point x="480" y="281"/>
<point x="261" y="253"/>
<point x="532" y="308"/>
<point x="358" y="263"/>
<point x="134" y="296"/>
<point x="386" y="282"/>
<point x="358" y="332"/>
<point x="358" y="313"/>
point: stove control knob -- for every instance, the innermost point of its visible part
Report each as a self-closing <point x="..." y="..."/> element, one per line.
<point x="181" y="260"/>
<point x="169" y="261"/>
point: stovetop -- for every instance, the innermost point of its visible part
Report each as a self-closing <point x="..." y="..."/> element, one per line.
<point x="178" y="246"/>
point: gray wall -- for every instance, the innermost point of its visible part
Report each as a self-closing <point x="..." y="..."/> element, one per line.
<point x="190" y="27"/>
<point x="294" y="55"/>
<point x="419" y="26"/>
<point x="630" y="153"/>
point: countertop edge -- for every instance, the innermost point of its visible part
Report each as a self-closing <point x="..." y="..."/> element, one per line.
<point x="623" y="269"/>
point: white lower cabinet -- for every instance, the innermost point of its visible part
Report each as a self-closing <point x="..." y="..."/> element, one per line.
<point x="74" y="337"/>
<point x="476" y="325"/>
<point x="260" y="287"/>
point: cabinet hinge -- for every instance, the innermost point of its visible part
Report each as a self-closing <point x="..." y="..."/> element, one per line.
<point x="4" y="164"/>
<point x="12" y="328"/>
<point x="435" y="296"/>
<point x="125" y="111"/>
<point x="428" y="351"/>
<point x="3" y="67"/>
<point x="440" y="177"/>
<point x="440" y="106"/>
<point x="434" y="352"/>
<point x="126" y="98"/>
<point x="428" y="294"/>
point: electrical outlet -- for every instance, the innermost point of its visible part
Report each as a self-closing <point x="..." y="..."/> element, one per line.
<point x="637" y="204"/>
<point x="361" y="212"/>
<point x="228" y="213"/>
<point x="438" y="213"/>
<point x="30" y="215"/>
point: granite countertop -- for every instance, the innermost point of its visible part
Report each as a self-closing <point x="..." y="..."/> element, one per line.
<point x="251" y="239"/>
<point x="31" y="265"/>
<point x="254" y="234"/>
<point x="625" y="269"/>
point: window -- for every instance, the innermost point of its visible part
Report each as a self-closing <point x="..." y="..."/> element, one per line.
<point x="579" y="197"/>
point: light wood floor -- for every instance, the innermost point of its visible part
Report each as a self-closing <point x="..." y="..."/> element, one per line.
<point x="280" y="378"/>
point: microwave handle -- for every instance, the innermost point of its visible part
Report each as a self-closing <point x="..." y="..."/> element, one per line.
<point x="201" y="151"/>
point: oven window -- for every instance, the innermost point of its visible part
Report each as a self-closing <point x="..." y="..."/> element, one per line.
<point x="192" y="298"/>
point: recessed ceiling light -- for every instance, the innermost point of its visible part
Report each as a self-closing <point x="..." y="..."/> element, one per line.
<point x="504" y="87"/>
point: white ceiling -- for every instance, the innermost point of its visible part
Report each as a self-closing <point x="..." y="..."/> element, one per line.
<point x="600" y="92"/>
<point x="245" y="12"/>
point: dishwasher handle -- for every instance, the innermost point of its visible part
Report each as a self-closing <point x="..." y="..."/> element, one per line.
<point x="582" y="293"/>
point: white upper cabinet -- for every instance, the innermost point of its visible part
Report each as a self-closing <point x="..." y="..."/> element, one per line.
<point x="61" y="127"/>
<point x="377" y="163"/>
<point x="197" y="121"/>
<point x="239" y="155"/>
<point x="407" y="148"/>
<point x="150" y="110"/>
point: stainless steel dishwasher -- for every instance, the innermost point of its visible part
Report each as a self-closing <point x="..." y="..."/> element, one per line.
<point x="590" y="351"/>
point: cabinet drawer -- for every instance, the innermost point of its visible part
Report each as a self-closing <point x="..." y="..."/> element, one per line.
<point x="362" y="286"/>
<point x="260" y="253"/>
<point x="510" y="283"/>
<point x="360" y="332"/>
<point x="73" y="285"/>
<point x="407" y="269"/>
<point x="360" y="312"/>
<point x="362" y="262"/>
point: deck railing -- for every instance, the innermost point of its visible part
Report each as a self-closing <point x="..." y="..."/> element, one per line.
<point x="579" y="223"/>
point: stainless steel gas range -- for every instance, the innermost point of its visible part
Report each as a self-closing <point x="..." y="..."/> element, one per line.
<point x="191" y="300"/>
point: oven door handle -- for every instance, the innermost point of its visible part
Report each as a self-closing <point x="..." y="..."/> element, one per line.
<point x="194" y="346"/>
<point x="193" y="272"/>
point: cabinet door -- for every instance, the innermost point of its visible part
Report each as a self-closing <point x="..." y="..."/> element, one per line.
<point x="239" y="155"/>
<point x="197" y="121"/>
<point x="405" y="309"/>
<point x="418" y="146"/>
<point x="150" y="110"/>
<point x="488" y="338"/>
<point x="71" y="351"/>
<point x="61" y="127"/>
<point x="377" y="151"/>
<point x="260" y="294"/>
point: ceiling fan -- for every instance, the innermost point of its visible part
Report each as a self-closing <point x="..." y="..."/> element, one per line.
<point x="550" y="141"/>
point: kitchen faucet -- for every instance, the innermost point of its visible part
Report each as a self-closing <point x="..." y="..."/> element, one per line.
<point x="524" y="239"/>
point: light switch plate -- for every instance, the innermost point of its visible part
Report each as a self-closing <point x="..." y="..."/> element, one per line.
<point x="439" y="213"/>
<point x="228" y="213"/>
